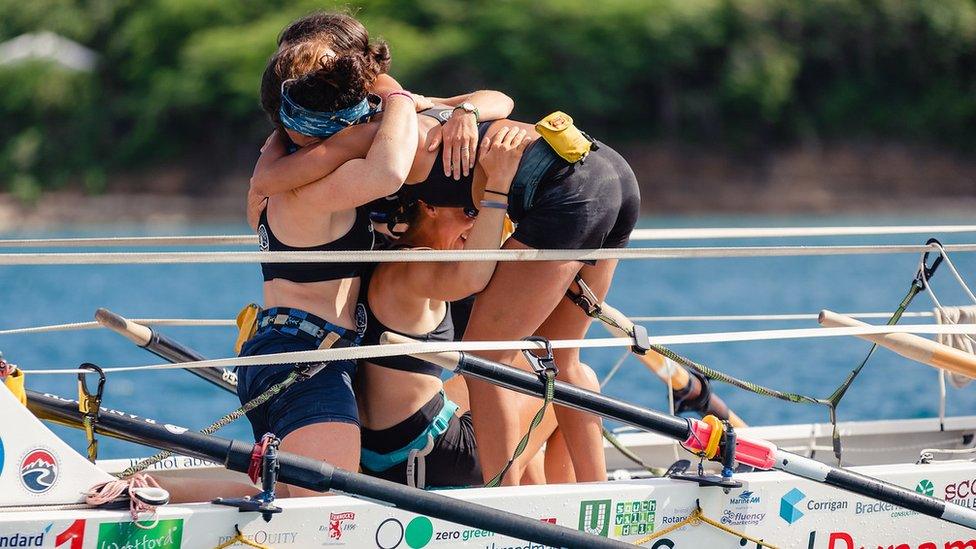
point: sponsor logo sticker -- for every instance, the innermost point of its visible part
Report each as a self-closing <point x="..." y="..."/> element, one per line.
<point x="925" y="487"/>
<point x="787" y="506"/>
<point x="165" y="534"/>
<point x="419" y="532"/>
<point x="634" y="518"/>
<point x="594" y="517"/>
<point x="339" y="523"/>
<point x="38" y="471"/>
<point x="744" y="509"/>
<point x="1" y="456"/>
<point x="389" y="534"/>
<point x="71" y="537"/>
<point x="263" y="537"/>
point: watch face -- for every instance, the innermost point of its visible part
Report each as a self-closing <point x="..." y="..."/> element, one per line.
<point x="468" y="106"/>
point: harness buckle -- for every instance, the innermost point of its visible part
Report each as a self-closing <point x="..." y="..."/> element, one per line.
<point x="89" y="405"/>
<point x="541" y="365"/>
<point x="925" y="271"/>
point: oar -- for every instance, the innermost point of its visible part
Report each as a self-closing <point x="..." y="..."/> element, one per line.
<point x="693" y="434"/>
<point x="166" y="348"/>
<point x="910" y="346"/>
<point x="683" y="384"/>
<point x="322" y="477"/>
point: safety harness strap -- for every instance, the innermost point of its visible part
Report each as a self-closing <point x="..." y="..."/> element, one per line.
<point x="546" y="369"/>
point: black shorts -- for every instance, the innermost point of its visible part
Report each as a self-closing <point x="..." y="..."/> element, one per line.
<point x="587" y="205"/>
<point x="453" y="460"/>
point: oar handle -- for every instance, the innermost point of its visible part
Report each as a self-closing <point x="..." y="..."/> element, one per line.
<point x="910" y="346"/>
<point x="137" y="333"/>
<point x="165" y="347"/>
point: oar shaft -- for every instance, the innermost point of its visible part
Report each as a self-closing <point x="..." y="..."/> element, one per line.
<point x="567" y="394"/>
<point x="166" y="348"/>
<point x="910" y="346"/>
<point x="692" y="433"/>
<point x="322" y="477"/>
<point x="873" y="488"/>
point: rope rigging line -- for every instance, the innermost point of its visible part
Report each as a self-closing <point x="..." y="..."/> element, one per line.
<point x="373" y="351"/>
<point x="919" y="282"/>
<point x="71" y="326"/>
<point x="637" y="234"/>
<point x="221" y="322"/>
<point x="767" y="317"/>
<point x="397" y="256"/>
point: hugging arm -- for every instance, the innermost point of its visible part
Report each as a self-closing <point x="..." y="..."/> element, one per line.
<point x="278" y="172"/>
<point x="500" y="156"/>
<point x="381" y="172"/>
<point x="460" y="134"/>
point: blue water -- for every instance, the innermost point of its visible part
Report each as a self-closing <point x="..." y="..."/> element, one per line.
<point x="890" y="387"/>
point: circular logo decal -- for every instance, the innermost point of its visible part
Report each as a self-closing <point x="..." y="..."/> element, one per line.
<point x="419" y="532"/>
<point x="1" y="457"/>
<point x="39" y="471"/>
<point x="389" y="534"/>
<point x="263" y="238"/>
<point x="360" y="319"/>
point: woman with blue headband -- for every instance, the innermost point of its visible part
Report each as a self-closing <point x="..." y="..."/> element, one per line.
<point x="313" y="305"/>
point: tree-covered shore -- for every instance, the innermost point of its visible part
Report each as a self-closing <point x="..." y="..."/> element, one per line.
<point x="176" y="80"/>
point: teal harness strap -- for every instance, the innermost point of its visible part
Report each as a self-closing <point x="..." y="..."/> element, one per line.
<point x="377" y="462"/>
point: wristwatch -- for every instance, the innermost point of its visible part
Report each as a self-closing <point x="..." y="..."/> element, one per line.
<point x="469" y="107"/>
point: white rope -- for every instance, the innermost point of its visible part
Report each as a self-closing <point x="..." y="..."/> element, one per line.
<point x="132" y="241"/>
<point x="70" y="326"/>
<point x="221" y="322"/>
<point x="372" y="351"/>
<point x="945" y="317"/>
<point x="802" y="316"/>
<point x="419" y="256"/>
<point x="637" y="234"/>
<point x="779" y="232"/>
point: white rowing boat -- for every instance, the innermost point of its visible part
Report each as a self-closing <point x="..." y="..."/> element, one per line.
<point x="797" y="506"/>
<point x="775" y="507"/>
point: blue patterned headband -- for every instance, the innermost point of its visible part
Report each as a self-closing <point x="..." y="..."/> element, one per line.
<point x="318" y="123"/>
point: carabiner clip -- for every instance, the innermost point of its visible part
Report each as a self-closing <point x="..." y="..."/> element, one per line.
<point x="541" y="365"/>
<point x="925" y="272"/>
<point x="89" y="403"/>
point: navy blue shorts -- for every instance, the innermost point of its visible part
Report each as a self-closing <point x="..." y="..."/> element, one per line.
<point x="326" y="397"/>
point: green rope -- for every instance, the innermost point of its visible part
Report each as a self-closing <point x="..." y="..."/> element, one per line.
<point x="293" y="376"/>
<point x="547" y="399"/>
<point x="830" y="402"/>
<point x="629" y="454"/>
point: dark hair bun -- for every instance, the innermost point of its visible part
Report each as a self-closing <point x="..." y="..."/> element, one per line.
<point x="379" y="55"/>
<point x="343" y="83"/>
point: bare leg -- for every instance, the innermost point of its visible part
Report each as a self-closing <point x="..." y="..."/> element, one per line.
<point x="583" y="431"/>
<point x="334" y="443"/>
<point x="457" y="390"/>
<point x="518" y="299"/>
<point x="558" y="465"/>
<point x="534" y="471"/>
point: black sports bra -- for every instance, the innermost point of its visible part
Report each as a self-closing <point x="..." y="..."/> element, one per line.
<point x="439" y="189"/>
<point x="359" y="237"/>
<point x="374" y="329"/>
